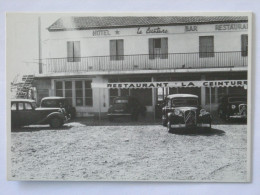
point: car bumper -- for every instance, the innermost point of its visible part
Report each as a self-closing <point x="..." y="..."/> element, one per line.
<point x="187" y="126"/>
<point x="238" y="117"/>
<point x="118" y="114"/>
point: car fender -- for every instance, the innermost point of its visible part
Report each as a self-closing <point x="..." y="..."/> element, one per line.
<point x="54" y="114"/>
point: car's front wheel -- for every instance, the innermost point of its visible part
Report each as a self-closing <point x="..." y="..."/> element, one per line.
<point x="56" y="122"/>
<point x="170" y="130"/>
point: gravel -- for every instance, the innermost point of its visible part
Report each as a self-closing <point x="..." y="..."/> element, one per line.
<point x="126" y="152"/>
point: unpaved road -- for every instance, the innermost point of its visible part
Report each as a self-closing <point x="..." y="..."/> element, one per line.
<point x="139" y="152"/>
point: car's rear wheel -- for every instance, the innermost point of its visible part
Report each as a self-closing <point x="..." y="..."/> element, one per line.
<point x="56" y="122"/>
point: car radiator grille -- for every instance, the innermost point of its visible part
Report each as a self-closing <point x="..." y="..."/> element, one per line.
<point x="242" y="109"/>
<point x="190" y="117"/>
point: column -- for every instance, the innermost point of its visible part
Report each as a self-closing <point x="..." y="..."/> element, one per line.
<point x="203" y="92"/>
<point x="73" y="93"/>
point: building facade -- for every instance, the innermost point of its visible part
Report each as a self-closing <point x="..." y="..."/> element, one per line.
<point x="86" y="50"/>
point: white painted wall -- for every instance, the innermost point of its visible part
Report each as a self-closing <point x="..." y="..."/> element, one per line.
<point x="179" y="41"/>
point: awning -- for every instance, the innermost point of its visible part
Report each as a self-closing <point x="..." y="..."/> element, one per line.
<point x="172" y="84"/>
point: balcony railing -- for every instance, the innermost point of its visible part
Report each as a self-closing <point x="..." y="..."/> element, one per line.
<point x="146" y="62"/>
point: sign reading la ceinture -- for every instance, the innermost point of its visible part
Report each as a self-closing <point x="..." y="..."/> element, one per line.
<point x="216" y="83"/>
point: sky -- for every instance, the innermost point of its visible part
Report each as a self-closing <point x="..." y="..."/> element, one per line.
<point x="22" y="41"/>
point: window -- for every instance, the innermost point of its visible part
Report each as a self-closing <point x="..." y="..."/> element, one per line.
<point x="13" y="106"/>
<point x="73" y="51"/>
<point x="206" y="46"/>
<point x="59" y="91"/>
<point x="112" y="93"/>
<point x="88" y="94"/>
<point x="27" y="106"/>
<point x="117" y="49"/>
<point x="79" y="93"/>
<point x="158" y="48"/>
<point x="68" y="91"/>
<point x="20" y="106"/>
<point x="244" y="45"/>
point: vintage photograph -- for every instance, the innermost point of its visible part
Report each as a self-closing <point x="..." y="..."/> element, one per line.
<point x="129" y="97"/>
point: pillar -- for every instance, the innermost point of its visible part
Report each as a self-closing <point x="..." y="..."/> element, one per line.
<point x="203" y="92"/>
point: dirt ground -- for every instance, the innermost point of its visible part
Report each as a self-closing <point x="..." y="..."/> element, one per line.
<point x="128" y="151"/>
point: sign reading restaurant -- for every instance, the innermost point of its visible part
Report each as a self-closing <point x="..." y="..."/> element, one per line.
<point x="219" y="83"/>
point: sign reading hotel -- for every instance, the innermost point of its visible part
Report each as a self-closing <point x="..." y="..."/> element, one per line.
<point x="220" y="83"/>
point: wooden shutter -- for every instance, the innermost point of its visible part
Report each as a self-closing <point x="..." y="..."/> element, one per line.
<point x="112" y="49"/>
<point x="70" y="51"/>
<point x="120" y="49"/>
<point x="244" y="45"/>
<point x="151" y="47"/>
<point x="76" y="51"/>
<point x="206" y="46"/>
<point x="164" y="48"/>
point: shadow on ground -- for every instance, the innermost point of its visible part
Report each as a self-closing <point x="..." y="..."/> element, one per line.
<point x="199" y="132"/>
<point x="39" y="128"/>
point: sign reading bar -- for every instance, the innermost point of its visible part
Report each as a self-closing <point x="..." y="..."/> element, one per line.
<point x="135" y="85"/>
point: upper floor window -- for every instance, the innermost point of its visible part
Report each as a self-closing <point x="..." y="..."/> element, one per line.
<point x="117" y="49"/>
<point x="244" y="45"/>
<point x="158" y="48"/>
<point x="73" y="51"/>
<point x="206" y="46"/>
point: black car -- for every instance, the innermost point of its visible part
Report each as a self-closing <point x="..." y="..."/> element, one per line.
<point x="184" y="111"/>
<point x="25" y="112"/>
<point x="233" y="107"/>
<point x="126" y="106"/>
<point x="58" y="102"/>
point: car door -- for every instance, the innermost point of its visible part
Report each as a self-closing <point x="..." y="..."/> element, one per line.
<point x="30" y="115"/>
<point x="14" y="114"/>
<point x="21" y="119"/>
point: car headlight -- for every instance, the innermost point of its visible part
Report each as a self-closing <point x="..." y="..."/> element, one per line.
<point x="233" y="107"/>
<point x="203" y="111"/>
<point x="177" y="112"/>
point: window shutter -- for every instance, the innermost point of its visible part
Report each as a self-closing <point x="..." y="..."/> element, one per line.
<point x="151" y="46"/>
<point x="206" y="46"/>
<point x="120" y="49"/>
<point x="244" y="45"/>
<point x="164" y="48"/>
<point x="112" y="49"/>
<point x="70" y="51"/>
<point x="76" y="51"/>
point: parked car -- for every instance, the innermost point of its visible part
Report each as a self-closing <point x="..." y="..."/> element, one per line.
<point x="184" y="111"/>
<point x="25" y="112"/>
<point x="59" y="102"/>
<point x="233" y="107"/>
<point x="126" y="106"/>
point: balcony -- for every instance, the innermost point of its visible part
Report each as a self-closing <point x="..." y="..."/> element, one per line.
<point x="145" y="62"/>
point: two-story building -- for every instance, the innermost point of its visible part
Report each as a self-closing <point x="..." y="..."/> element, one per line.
<point x="95" y="50"/>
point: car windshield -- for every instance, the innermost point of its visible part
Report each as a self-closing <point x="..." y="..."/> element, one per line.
<point x="121" y="101"/>
<point x="236" y="99"/>
<point x="185" y="102"/>
<point x="51" y="103"/>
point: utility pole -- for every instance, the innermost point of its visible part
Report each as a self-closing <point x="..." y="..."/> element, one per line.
<point x="40" y="45"/>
